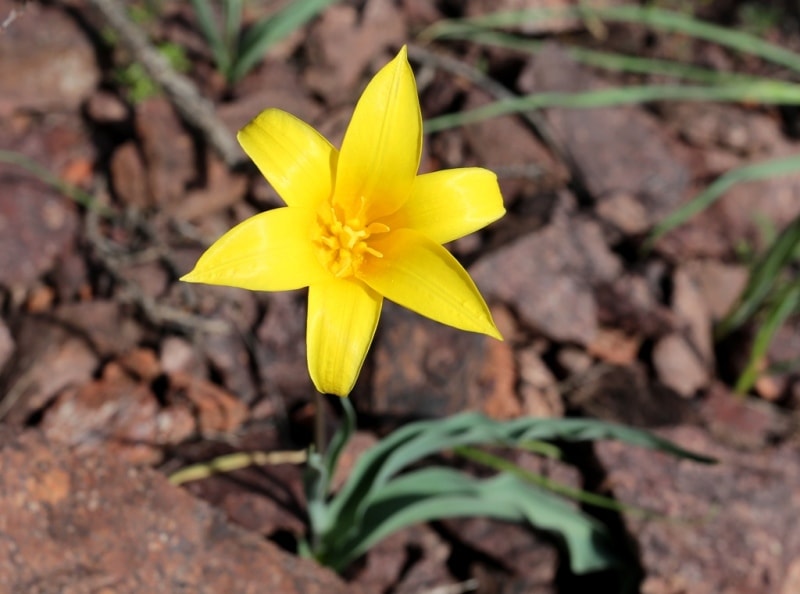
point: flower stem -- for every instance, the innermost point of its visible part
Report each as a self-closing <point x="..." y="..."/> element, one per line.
<point x="319" y="422"/>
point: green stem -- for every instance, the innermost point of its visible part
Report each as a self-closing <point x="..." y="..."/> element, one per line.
<point x="319" y="422"/>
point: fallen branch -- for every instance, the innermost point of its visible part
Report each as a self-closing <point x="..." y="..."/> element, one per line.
<point x="181" y="91"/>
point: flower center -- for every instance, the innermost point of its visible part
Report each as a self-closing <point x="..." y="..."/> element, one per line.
<point x="342" y="242"/>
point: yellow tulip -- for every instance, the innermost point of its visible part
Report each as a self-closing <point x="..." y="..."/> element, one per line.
<point x="359" y="226"/>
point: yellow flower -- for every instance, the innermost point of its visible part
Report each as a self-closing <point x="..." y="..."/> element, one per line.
<point x="359" y="225"/>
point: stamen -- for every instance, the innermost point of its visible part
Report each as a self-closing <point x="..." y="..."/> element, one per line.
<point x="343" y="242"/>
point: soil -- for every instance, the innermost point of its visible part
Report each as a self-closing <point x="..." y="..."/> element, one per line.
<point x="114" y="375"/>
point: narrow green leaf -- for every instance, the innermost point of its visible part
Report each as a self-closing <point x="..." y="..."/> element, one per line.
<point x="418" y="440"/>
<point x="652" y="17"/>
<point x="261" y="36"/>
<point x="763" y="276"/>
<point x="787" y="302"/>
<point x="439" y="493"/>
<point x="757" y="91"/>
<point x="208" y="27"/>
<point x="502" y="465"/>
<point x="610" y="60"/>
<point x="755" y="171"/>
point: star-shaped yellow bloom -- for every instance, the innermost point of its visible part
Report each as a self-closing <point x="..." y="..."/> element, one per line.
<point x="359" y="226"/>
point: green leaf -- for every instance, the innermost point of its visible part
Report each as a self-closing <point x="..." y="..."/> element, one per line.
<point x="752" y="172"/>
<point x="264" y="34"/>
<point x="787" y="302"/>
<point x="439" y="493"/>
<point x="208" y="26"/>
<point x="416" y="441"/>
<point x="651" y="17"/>
<point x="763" y="276"/>
<point x="762" y="91"/>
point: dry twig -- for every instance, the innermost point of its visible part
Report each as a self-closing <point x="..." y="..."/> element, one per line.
<point x="194" y="108"/>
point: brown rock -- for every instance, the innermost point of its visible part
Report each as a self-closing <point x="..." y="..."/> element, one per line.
<point x="502" y="143"/>
<point x="679" y="366"/>
<point x="342" y="44"/>
<point x="112" y="414"/>
<point x="105" y="324"/>
<point x="499" y="382"/>
<point x="169" y="165"/>
<point x="425" y="369"/>
<point x="63" y="513"/>
<point x="614" y="346"/>
<point x="720" y="284"/>
<point x="625" y="213"/>
<point x="614" y="150"/>
<point x="7" y="344"/>
<point x="223" y="190"/>
<point x="742" y="422"/>
<point x="538" y="387"/>
<point x="128" y="177"/>
<point x="548" y="278"/>
<point x="49" y="358"/>
<point x="106" y="108"/>
<point x="560" y="21"/>
<point x="275" y="84"/>
<point x="735" y="526"/>
<point x="37" y="223"/>
<point x="691" y="310"/>
<point x="626" y="395"/>
<point x="47" y="63"/>
<point x="217" y="412"/>
<point x="281" y="349"/>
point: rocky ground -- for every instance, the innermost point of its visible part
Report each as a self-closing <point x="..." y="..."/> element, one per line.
<point x="114" y="375"/>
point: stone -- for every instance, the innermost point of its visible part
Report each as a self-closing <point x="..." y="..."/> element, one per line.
<point x="548" y="277"/>
<point x="729" y="528"/>
<point x="61" y="513"/>
<point x="613" y="150"/>
<point x="47" y="62"/>
<point x="679" y="366"/>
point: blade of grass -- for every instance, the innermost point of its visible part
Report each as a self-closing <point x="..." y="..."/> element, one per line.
<point x="74" y="193"/>
<point x="761" y="91"/>
<point x="260" y="37"/>
<point x="655" y="18"/>
<point x="610" y="60"/>
<point x="764" y="274"/>
<point x="787" y="302"/>
<point x="208" y="26"/>
<point x="502" y="465"/>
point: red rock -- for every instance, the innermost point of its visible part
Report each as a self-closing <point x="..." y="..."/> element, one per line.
<point x="49" y="358"/>
<point x="113" y="414"/>
<point x="342" y="44"/>
<point x="37" y="223"/>
<point x="217" y="412"/>
<point x="7" y="344"/>
<point x="538" y="387"/>
<point x="169" y="165"/>
<point x="47" y="63"/>
<point x="720" y="284"/>
<point x="128" y="176"/>
<point x="424" y="369"/>
<point x="740" y="422"/>
<point x="733" y="527"/>
<point x="678" y="365"/>
<point x="614" y="150"/>
<point x="63" y="512"/>
<point x="548" y="277"/>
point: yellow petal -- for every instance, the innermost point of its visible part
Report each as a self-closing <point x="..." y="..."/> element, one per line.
<point x="450" y="204"/>
<point x="296" y="159"/>
<point x="342" y="317"/>
<point x="420" y="274"/>
<point x="270" y="251"/>
<point x="381" y="149"/>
